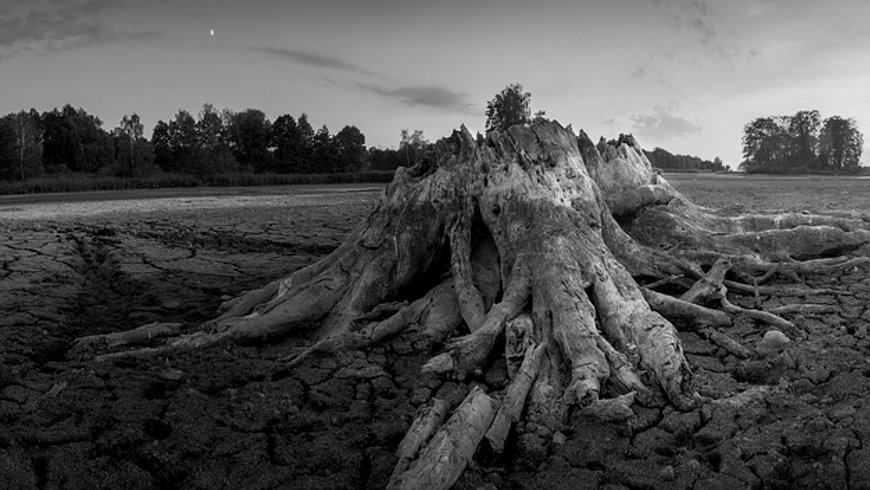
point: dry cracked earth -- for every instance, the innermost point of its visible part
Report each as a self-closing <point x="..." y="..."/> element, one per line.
<point x="235" y="417"/>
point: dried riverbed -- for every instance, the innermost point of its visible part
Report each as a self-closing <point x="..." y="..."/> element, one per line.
<point x="235" y="417"/>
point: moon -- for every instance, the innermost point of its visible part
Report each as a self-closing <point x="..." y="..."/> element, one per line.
<point x="211" y="32"/>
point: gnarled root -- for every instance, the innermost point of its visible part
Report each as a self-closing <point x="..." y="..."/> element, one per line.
<point x="444" y="459"/>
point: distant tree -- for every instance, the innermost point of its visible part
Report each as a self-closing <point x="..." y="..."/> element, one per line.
<point x="210" y="128"/>
<point x="162" y="145"/>
<point x="306" y="135"/>
<point x="663" y="159"/>
<point x="803" y="129"/>
<point x="508" y="107"/>
<point x="324" y="151"/>
<point x="285" y="140"/>
<point x="26" y="127"/>
<point x="413" y="145"/>
<point x="249" y="139"/>
<point x="214" y="154"/>
<point x="75" y="140"/>
<point x="841" y="144"/>
<point x="766" y="145"/>
<point x="350" y="148"/>
<point x="385" y="159"/>
<point x="184" y="144"/>
<point x="134" y="154"/>
<point x="8" y="166"/>
<point x="790" y="144"/>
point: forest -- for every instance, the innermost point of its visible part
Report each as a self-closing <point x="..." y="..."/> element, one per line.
<point x="802" y="144"/>
<point x="223" y="147"/>
<point x="71" y="140"/>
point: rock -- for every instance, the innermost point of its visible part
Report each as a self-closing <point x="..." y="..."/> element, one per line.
<point x="171" y="375"/>
<point x="559" y="438"/>
<point x="772" y="343"/>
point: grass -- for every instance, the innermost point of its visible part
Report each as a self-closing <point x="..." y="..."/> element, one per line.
<point x="90" y="182"/>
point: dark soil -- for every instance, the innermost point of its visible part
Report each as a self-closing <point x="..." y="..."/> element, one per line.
<point x="235" y="417"/>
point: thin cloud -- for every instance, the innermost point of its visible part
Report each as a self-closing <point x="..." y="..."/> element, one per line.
<point x="708" y="26"/>
<point x="663" y="124"/>
<point x="433" y="96"/>
<point x="71" y="26"/>
<point x="309" y="58"/>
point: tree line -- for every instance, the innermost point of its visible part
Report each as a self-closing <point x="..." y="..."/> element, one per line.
<point x="70" y="139"/>
<point x="665" y="160"/>
<point x="802" y="143"/>
<point x="217" y="142"/>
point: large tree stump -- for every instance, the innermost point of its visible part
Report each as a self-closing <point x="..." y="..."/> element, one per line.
<point x="542" y="224"/>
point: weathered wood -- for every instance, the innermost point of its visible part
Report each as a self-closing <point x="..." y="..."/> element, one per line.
<point x="519" y="336"/>
<point x="84" y="346"/>
<point x="514" y="399"/>
<point x="445" y="457"/>
<point x="470" y="352"/>
<point x="471" y="303"/>
<point x="708" y="286"/>
<point x="539" y="220"/>
<point x="428" y="419"/>
<point x="725" y="341"/>
<point x="803" y="309"/>
<point x="685" y="313"/>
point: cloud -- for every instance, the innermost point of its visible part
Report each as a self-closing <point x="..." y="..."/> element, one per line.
<point x="711" y="27"/>
<point x="432" y="96"/>
<point x="69" y="25"/>
<point x="663" y="124"/>
<point x="309" y="58"/>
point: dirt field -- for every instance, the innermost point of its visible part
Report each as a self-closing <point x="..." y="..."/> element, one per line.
<point x="234" y="417"/>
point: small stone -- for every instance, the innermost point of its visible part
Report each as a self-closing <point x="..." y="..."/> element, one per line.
<point x="559" y="438"/>
<point x="171" y="304"/>
<point x="667" y="473"/>
<point x="172" y="375"/>
<point x="772" y="343"/>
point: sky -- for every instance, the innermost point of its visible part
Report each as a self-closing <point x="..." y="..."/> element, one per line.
<point x="684" y="75"/>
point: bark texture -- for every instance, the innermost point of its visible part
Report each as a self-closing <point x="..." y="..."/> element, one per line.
<point x="572" y="259"/>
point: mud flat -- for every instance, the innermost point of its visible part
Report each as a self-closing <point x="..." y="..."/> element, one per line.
<point x="235" y="417"/>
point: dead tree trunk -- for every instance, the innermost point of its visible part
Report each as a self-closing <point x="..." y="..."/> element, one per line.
<point x="538" y="222"/>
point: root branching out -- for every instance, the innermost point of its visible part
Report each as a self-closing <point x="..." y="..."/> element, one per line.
<point x="574" y="259"/>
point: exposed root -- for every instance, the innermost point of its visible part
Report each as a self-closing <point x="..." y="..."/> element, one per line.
<point x="685" y="313"/>
<point x="762" y="316"/>
<point x="514" y="400"/>
<point x="428" y="419"/>
<point x="612" y="409"/>
<point x="444" y="459"/>
<point x="803" y="309"/>
<point x="469" y="353"/>
<point x="471" y="302"/>
<point x="83" y="346"/>
<point x="542" y="235"/>
<point x="782" y="290"/>
<point x="435" y="315"/>
<point x="725" y="341"/>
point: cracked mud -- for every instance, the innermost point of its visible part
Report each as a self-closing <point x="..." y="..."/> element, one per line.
<point x="235" y="417"/>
